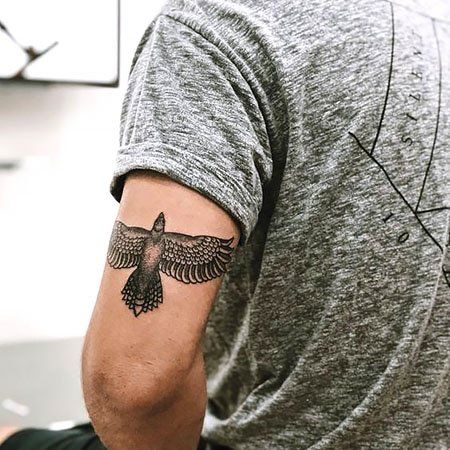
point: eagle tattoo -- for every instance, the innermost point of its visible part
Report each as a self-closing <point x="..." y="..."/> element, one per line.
<point x="190" y="259"/>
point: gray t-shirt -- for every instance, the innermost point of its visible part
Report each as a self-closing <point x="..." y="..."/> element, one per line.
<point x="323" y="128"/>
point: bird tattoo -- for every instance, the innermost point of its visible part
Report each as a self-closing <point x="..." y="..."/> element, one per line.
<point x="190" y="259"/>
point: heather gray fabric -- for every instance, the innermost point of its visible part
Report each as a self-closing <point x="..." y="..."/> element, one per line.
<point x="323" y="127"/>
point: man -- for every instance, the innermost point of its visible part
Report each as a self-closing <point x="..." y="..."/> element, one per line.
<point x="301" y="149"/>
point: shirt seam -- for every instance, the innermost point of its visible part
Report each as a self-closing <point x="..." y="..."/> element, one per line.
<point x="124" y="152"/>
<point x="138" y="106"/>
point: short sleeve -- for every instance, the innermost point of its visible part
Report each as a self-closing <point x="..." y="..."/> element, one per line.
<point x="189" y="113"/>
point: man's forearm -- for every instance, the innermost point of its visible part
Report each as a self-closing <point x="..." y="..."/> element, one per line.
<point x="174" y="425"/>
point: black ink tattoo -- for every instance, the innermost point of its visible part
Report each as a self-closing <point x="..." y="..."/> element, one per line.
<point x="190" y="259"/>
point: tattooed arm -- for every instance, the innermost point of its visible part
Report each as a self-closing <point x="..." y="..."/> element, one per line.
<point x="143" y="376"/>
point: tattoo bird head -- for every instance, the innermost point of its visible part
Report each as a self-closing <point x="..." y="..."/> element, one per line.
<point x="160" y="222"/>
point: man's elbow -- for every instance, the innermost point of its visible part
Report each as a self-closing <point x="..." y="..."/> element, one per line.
<point x="123" y="390"/>
<point x="117" y="386"/>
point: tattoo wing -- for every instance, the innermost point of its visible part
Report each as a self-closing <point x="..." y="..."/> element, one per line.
<point x="194" y="259"/>
<point x="126" y="245"/>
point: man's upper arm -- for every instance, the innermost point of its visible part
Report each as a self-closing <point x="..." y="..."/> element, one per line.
<point x="159" y="282"/>
<point x="188" y="113"/>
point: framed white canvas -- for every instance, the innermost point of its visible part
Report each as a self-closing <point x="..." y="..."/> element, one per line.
<point x="69" y="41"/>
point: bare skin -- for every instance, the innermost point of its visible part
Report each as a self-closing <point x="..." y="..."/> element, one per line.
<point x="143" y="377"/>
<point x="6" y="432"/>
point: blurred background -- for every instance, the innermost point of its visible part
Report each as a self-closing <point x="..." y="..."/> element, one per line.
<point x="58" y="142"/>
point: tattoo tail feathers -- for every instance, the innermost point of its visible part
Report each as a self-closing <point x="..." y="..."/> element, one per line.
<point x="142" y="293"/>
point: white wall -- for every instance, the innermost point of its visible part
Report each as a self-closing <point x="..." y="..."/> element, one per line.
<point x="56" y="212"/>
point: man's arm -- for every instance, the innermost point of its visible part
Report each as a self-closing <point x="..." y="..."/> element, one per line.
<point x="143" y="375"/>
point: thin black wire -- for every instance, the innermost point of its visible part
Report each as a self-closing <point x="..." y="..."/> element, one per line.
<point x="30" y="51"/>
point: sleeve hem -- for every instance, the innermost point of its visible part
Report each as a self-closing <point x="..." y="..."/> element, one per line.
<point x="209" y="180"/>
